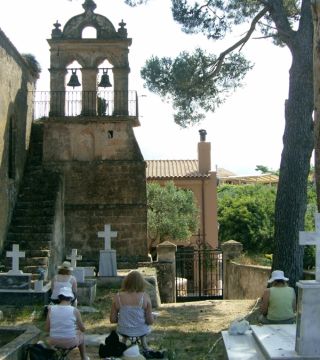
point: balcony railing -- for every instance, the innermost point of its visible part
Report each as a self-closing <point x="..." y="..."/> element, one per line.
<point x="85" y="103"/>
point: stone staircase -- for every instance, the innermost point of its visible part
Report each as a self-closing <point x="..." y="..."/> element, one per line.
<point x="33" y="217"/>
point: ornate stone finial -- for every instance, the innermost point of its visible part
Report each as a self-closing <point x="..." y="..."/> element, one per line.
<point x="122" y="31"/>
<point x="89" y="5"/>
<point x="56" y="32"/>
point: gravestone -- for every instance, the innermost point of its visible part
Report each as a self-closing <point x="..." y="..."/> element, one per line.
<point x="16" y="286"/>
<point x="15" y="254"/>
<point x="78" y="272"/>
<point x="108" y="256"/>
<point x="308" y="315"/>
<point x="86" y="287"/>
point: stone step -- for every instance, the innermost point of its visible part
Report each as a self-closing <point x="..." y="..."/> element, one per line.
<point x="37" y="197"/>
<point x="26" y="261"/>
<point x="31" y="239"/>
<point x="45" y="212"/>
<point x="33" y="269"/>
<point x="35" y="220"/>
<point x="35" y="204"/>
<point x="46" y="229"/>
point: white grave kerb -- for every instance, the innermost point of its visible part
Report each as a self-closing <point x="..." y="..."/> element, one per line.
<point x="107" y="234"/>
<point x="74" y="257"/>
<point x="15" y="254"/>
<point x="313" y="238"/>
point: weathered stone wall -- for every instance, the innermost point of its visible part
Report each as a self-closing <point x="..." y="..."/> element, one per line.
<point x="16" y="82"/>
<point x="246" y="281"/>
<point x="105" y="183"/>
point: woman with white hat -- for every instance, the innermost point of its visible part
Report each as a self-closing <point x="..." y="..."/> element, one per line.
<point x="278" y="303"/>
<point x="64" y="278"/>
<point x="65" y="325"/>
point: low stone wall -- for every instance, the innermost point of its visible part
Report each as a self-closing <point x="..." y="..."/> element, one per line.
<point x="245" y="281"/>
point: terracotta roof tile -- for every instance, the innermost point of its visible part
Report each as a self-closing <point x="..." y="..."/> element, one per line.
<point x="157" y="169"/>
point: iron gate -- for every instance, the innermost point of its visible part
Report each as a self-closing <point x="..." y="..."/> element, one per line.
<point x="198" y="274"/>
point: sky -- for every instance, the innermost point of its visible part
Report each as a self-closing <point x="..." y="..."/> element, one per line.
<point x="244" y="132"/>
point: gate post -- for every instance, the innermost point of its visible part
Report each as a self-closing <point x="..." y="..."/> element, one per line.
<point x="166" y="271"/>
<point x="230" y="250"/>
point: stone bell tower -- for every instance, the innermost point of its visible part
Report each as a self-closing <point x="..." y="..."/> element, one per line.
<point x="89" y="137"/>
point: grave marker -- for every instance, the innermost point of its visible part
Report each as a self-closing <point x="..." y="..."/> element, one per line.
<point x="15" y="254"/>
<point x="313" y="238"/>
<point x="74" y="257"/>
<point x="107" y="234"/>
<point x="108" y="257"/>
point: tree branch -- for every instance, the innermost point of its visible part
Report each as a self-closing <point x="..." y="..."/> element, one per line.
<point x="218" y="63"/>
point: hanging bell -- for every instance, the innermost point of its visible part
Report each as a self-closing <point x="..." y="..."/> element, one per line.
<point x="74" y="81"/>
<point x="104" y="81"/>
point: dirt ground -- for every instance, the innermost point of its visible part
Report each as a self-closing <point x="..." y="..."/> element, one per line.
<point x="192" y="329"/>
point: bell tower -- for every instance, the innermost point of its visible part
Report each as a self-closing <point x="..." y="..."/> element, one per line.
<point x="89" y="138"/>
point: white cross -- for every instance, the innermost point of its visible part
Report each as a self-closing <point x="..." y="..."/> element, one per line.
<point x="107" y="234"/>
<point x="313" y="238"/>
<point x="74" y="257"/>
<point x="15" y="254"/>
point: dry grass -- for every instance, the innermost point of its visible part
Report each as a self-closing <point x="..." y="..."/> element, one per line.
<point x="186" y="330"/>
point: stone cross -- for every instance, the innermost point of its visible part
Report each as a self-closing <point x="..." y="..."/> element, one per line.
<point x="313" y="238"/>
<point x="74" y="257"/>
<point x="15" y="254"/>
<point x="107" y="234"/>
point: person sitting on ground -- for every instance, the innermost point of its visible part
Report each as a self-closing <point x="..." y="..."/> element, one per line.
<point x="278" y="304"/>
<point x="131" y="309"/>
<point x="65" y="325"/>
<point x="64" y="278"/>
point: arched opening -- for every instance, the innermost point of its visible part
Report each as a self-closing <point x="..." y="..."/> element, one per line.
<point x="73" y="82"/>
<point x="11" y="149"/>
<point x="89" y="32"/>
<point x="105" y="93"/>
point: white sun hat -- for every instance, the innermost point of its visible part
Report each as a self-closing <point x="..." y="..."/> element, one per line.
<point x="277" y="275"/>
<point x="132" y="353"/>
<point x="67" y="292"/>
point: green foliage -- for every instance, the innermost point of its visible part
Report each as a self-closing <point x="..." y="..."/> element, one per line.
<point x="172" y="213"/>
<point x="197" y="83"/>
<point x="191" y="84"/>
<point x="246" y="214"/>
<point x="33" y="64"/>
<point x="265" y="170"/>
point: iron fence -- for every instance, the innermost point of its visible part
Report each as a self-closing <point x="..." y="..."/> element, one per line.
<point x="84" y="103"/>
<point x="198" y="274"/>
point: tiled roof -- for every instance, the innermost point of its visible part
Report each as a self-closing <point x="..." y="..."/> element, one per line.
<point x="181" y="169"/>
<point x="159" y="169"/>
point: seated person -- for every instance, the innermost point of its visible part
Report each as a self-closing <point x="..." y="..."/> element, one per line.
<point x="64" y="324"/>
<point x="132" y="310"/>
<point x="278" y="304"/>
<point x="64" y="279"/>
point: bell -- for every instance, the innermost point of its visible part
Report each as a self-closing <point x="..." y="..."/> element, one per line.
<point x="104" y="81"/>
<point x="74" y="81"/>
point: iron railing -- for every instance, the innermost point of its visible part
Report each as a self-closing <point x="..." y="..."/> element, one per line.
<point x="85" y="103"/>
<point x="198" y="274"/>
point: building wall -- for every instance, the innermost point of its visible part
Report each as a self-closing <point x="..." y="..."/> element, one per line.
<point x="104" y="182"/>
<point x="205" y="192"/>
<point x="16" y="82"/>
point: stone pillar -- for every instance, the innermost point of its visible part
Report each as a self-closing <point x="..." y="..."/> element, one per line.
<point x="308" y="319"/>
<point x="166" y="271"/>
<point x="230" y="250"/>
<point x="57" y="92"/>
<point x="121" y="84"/>
<point x="89" y="91"/>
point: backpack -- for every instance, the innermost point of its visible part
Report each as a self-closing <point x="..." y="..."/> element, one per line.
<point x="39" y="352"/>
<point x="112" y="346"/>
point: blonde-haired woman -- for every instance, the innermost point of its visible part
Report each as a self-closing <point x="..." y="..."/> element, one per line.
<point x="132" y="310"/>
